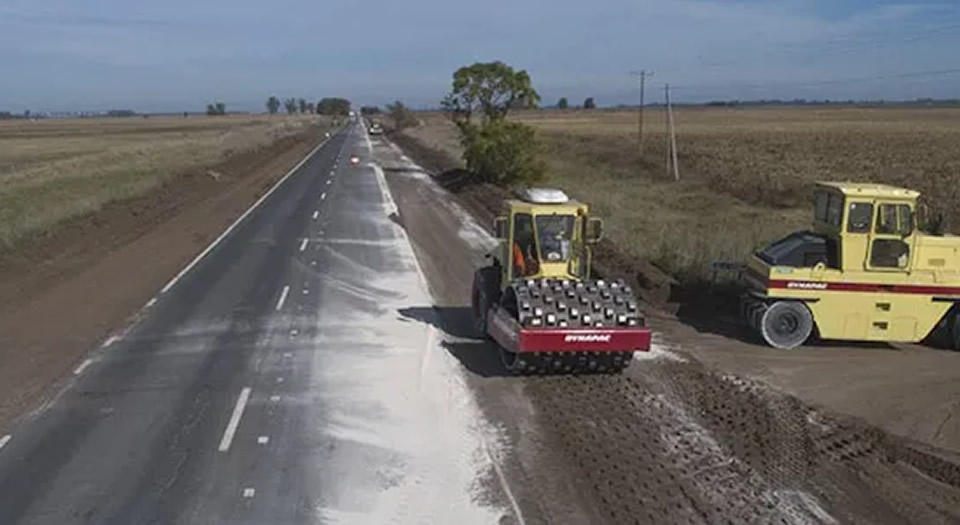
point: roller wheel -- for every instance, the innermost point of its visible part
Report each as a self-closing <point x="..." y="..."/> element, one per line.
<point x="520" y="364"/>
<point x="565" y="363"/>
<point x="786" y="324"/>
<point x="955" y="331"/>
<point x="485" y="287"/>
<point x="563" y="303"/>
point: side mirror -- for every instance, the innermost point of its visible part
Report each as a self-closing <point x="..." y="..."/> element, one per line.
<point x="500" y="228"/>
<point x="594" y="231"/>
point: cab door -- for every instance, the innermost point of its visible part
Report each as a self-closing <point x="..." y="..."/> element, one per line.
<point x="578" y="255"/>
<point x="889" y="259"/>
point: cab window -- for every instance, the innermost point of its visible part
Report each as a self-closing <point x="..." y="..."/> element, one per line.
<point x="820" y="206"/>
<point x="524" y="249"/>
<point x="555" y="233"/>
<point x="889" y="253"/>
<point x="894" y="219"/>
<point x="834" y="209"/>
<point x="859" y="216"/>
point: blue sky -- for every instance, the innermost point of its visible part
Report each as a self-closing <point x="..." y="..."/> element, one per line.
<point x="178" y="54"/>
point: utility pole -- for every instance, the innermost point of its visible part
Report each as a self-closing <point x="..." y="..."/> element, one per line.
<point x="671" y="137"/>
<point x="643" y="74"/>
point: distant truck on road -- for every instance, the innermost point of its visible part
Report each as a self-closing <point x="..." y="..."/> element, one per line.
<point x="375" y="128"/>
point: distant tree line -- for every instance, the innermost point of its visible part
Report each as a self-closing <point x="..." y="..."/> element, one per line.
<point x="325" y="106"/>
<point x="116" y="113"/>
<point x="588" y="103"/>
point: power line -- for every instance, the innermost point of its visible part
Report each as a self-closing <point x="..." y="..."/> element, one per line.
<point x="830" y="48"/>
<point x="826" y="82"/>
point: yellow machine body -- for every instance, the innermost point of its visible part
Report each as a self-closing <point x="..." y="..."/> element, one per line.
<point x="553" y="238"/>
<point x="865" y="272"/>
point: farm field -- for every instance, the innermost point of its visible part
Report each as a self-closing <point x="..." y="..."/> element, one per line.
<point x="55" y="170"/>
<point x="746" y="174"/>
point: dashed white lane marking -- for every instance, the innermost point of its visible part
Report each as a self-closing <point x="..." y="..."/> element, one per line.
<point x="249" y="493"/>
<point x="79" y="370"/>
<point x="110" y="340"/>
<point x="331" y="173"/>
<point x="288" y="354"/>
<point x="279" y="380"/>
<point x="303" y="244"/>
<point x="4" y="440"/>
<point x="329" y="182"/>
<point x="234" y="419"/>
<point x="274" y="399"/>
<point x="263" y="440"/>
<point x="323" y="195"/>
<point x="316" y="214"/>
<point x="240" y="219"/>
<point x="283" y="297"/>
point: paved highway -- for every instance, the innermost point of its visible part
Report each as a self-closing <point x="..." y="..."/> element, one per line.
<point x="301" y="372"/>
<point x="273" y="381"/>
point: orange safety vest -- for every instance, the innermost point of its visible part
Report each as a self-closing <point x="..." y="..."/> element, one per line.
<point x="518" y="259"/>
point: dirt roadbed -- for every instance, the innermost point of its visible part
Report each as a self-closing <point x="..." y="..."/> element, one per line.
<point x="677" y="438"/>
<point x="62" y="295"/>
<point x="912" y="391"/>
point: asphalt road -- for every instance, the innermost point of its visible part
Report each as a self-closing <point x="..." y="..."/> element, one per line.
<point x="318" y="365"/>
<point x="272" y="382"/>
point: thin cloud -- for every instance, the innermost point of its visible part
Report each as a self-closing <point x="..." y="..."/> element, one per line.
<point x="178" y="52"/>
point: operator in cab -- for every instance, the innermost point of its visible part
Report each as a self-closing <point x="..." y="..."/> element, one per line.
<point x="524" y="248"/>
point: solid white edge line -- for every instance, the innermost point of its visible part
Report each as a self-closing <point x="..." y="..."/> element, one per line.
<point x="79" y="370"/>
<point x="234" y="419"/>
<point x="303" y="244"/>
<point x="5" y="439"/>
<point x="283" y="297"/>
<point x="503" y="482"/>
<point x="237" y="222"/>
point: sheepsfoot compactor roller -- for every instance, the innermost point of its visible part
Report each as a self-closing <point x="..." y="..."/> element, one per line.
<point x="537" y="301"/>
<point x="864" y="272"/>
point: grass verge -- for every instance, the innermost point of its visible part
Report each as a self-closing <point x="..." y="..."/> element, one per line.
<point x="52" y="171"/>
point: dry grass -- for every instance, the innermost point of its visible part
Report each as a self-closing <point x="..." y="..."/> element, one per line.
<point x="746" y="173"/>
<point x="54" y="170"/>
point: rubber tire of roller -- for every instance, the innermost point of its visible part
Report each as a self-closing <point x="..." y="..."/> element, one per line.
<point x="480" y="304"/>
<point x="786" y="312"/>
<point x="955" y="331"/>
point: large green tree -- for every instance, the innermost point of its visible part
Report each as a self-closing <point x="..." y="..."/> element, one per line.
<point x="490" y="89"/>
<point x="563" y="104"/>
<point x="497" y="150"/>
